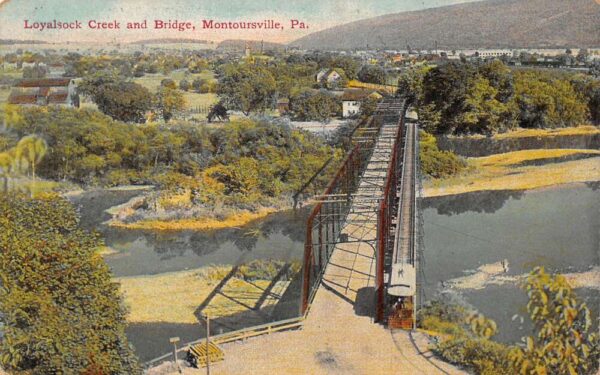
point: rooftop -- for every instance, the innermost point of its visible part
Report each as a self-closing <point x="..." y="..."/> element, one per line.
<point x="45" y="82"/>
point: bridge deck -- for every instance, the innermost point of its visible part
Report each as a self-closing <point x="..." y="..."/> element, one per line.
<point x="352" y="263"/>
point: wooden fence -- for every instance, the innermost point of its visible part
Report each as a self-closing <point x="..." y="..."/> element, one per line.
<point x="241" y="334"/>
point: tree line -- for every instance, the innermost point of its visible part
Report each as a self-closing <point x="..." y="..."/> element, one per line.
<point x="467" y="98"/>
<point x="248" y="160"/>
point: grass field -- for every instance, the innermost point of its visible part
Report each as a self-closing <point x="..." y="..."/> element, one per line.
<point x="152" y="81"/>
<point x="194" y="100"/>
<point x="168" y="297"/>
<point x="514" y="171"/>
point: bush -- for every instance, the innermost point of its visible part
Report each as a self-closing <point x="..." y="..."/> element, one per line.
<point x="60" y="310"/>
<point x="436" y="163"/>
<point x="483" y="356"/>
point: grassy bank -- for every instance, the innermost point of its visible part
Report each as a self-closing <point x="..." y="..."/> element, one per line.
<point x="235" y="220"/>
<point x="175" y="297"/>
<point x="527" y="133"/>
<point x="517" y="171"/>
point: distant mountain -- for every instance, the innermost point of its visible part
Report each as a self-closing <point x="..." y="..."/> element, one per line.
<point x="485" y="24"/>
<point x="255" y="45"/>
<point x="170" y="41"/>
<point x="17" y="41"/>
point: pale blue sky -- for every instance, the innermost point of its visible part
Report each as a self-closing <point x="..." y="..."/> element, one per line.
<point x="318" y="14"/>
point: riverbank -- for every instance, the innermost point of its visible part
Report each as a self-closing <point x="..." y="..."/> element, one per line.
<point x="203" y="223"/>
<point x="221" y="291"/>
<point x="496" y="274"/>
<point x="520" y="170"/>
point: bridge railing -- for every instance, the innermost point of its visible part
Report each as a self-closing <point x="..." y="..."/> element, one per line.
<point x="388" y="208"/>
<point x="327" y="218"/>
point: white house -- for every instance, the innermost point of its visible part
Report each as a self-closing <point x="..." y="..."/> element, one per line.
<point x="328" y="76"/>
<point x="353" y="98"/>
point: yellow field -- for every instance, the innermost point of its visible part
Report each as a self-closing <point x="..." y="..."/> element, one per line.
<point x="372" y="86"/>
<point x="501" y="172"/>
<point x="174" y="297"/>
<point x="197" y="224"/>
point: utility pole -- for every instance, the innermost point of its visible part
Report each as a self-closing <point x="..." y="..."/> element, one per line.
<point x="174" y="341"/>
<point x="207" y="317"/>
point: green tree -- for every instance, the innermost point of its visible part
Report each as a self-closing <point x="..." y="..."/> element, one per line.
<point x="434" y="162"/>
<point x="368" y="106"/>
<point x="124" y="101"/>
<point x="60" y="311"/>
<point x="169" y="83"/>
<point x="29" y="152"/>
<point x="545" y="101"/>
<point x="372" y="74"/>
<point x="197" y="84"/>
<point x="309" y="106"/>
<point x="563" y="343"/>
<point x="247" y="88"/>
<point x="217" y="111"/>
<point x="169" y="101"/>
<point x="184" y="85"/>
<point x="482" y="112"/>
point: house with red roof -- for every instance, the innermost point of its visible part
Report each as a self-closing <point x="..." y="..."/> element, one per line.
<point x="44" y="92"/>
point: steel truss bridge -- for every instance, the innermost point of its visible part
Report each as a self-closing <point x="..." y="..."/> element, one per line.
<point x="362" y="235"/>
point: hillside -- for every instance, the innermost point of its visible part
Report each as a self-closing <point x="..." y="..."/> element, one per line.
<point x="170" y="41"/>
<point x="255" y="45"/>
<point x="486" y="24"/>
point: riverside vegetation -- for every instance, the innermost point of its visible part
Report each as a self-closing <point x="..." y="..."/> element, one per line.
<point x="489" y="99"/>
<point x="564" y="342"/>
<point x="199" y="171"/>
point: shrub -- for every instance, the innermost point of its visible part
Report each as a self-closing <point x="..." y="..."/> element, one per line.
<point x="483" y="356"/>
<point x="436" y="163"/>
<point x="60" y="310"/>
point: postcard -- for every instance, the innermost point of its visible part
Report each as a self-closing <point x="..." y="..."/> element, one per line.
<point x="299" y="187"/>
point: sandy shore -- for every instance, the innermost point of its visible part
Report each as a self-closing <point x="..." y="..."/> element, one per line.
<point x="511" y="171"/>
<point x="495" y="274"/>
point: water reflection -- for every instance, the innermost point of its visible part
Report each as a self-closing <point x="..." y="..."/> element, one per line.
<point x="477" y="201"/>
<point x="142" y="252"/>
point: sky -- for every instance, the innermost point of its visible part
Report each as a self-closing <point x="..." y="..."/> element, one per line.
<point x="317" y="14"/>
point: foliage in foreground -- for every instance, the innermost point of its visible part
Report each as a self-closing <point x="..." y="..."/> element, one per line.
<point x="563" y="343"/>
<point x="436" y="163"/>
<point x="60" y="311"/>
<point x="466" y="338"/>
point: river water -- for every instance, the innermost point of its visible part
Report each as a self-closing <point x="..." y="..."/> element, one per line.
<point x="555" y="227"/>
<point x="279" y="236"/>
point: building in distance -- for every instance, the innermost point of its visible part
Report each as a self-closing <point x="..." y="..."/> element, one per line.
<point x="45" y="91"/>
